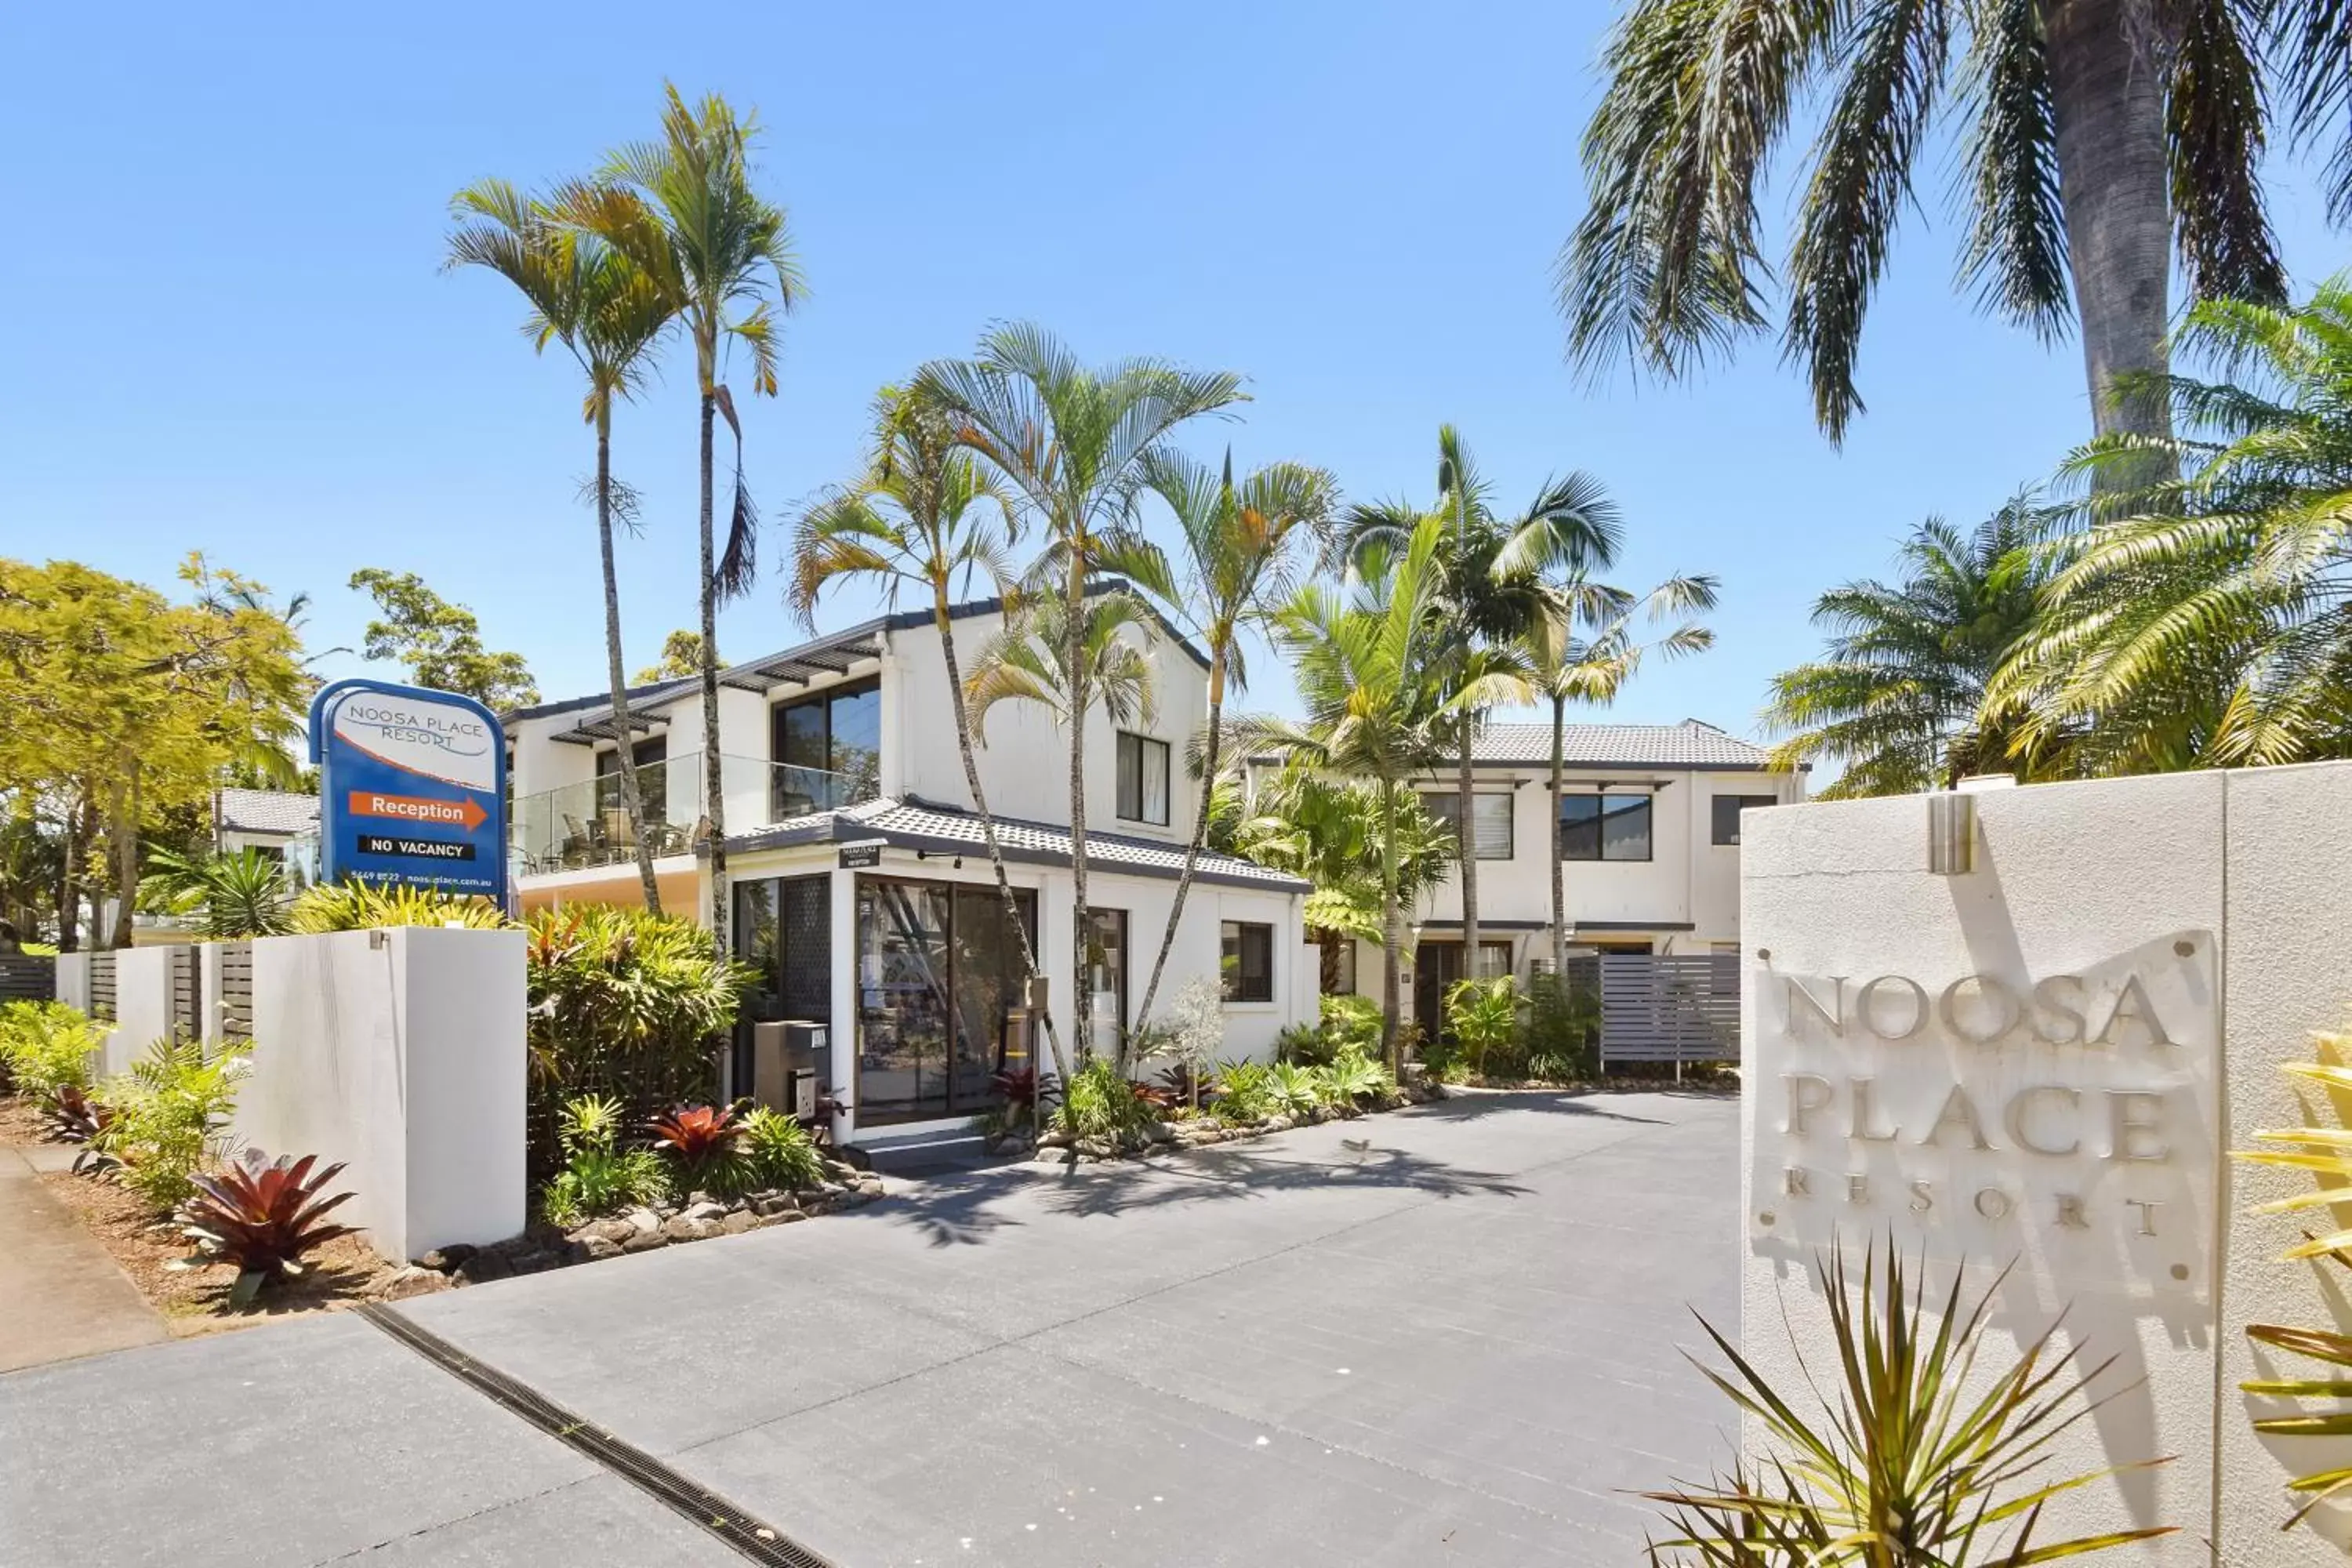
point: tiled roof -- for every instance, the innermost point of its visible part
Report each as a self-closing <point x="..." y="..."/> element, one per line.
<point x="1689" y="745"/>
<point x="915" y="824"/>
<point x="267" y="811"/>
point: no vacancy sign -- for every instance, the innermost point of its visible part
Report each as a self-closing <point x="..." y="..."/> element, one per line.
<point x="412" y="787"/>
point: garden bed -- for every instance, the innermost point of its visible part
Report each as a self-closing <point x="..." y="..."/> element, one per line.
<point x="1060" y="1147"/>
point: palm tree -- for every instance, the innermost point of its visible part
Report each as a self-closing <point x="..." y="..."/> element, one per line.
<point x="1368" y="664"/>
<point x="1028" y="661"/>
<point x="1898" y="699"/>
<point x="924" y="511"/>
<point x="1072" y="442"/>
<point x="1493" y="596"/>
<point x="2208" y="627"/>
<point x="682" y="209"/>
<point x="607" y="313"/>
<point x="1237" y="556"/>
<point x="2099" y="137"/>
<point x="1584" y="650"/>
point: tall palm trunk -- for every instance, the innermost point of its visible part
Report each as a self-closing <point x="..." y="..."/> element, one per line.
<point x="1391" y="935"/>
<point x="988" y="830"/>
<point x="1469" y="836"/>
<point x="631" y="797"/>
<point x="1191" y="850"/>
<point x="126" y="857"/>
<point x="1081" y="999"/>
<point x="714" y="790"/>
<point x="2107" y="99"/>
<point x="1558" y="870"/>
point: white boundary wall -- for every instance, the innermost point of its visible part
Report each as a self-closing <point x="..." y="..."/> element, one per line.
<point x="402" y="1054"/>
<point x="2094" y="1153"/>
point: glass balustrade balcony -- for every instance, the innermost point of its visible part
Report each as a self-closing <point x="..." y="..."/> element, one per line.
<point x="585" y="825"/>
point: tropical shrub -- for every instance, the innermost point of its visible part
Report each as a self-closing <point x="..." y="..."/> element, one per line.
<point x="1356" y="1080"/>
<point x="1914" y="1457"/>
<point x="599" y="1175"/>
<point x="1293" y="1089"/>
<point x="234" y="896"/>
<point x="1560" y="1037"/>
<point x="1192" y="1027"/>
<point x="369" y="906"/>
<point x="167" y="1119"/>
<point x="1483" y="1015"/>
<point x="1102" y="1104"/>
<point x="49" y="1046"/>
<point x="1024" y="1094"/>
<point x="263" y="1215"/>
<point x="627" y="1004"/>
<point x="778" y="1151"/>
<point x="702" y="1141"/>
<point x="1352" y="1020"/>
<point x="1306" y="1045"/>
<point x="1244" y="1093"/>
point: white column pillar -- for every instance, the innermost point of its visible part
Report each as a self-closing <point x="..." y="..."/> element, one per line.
<point x="843" y="1035"/>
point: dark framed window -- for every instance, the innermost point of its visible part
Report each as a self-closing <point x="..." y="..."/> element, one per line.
<point x="650" y="752"/>
<point x="1728" y="808"/>
<point x="1604" y="826"/>
<point x="1246" y="962"/>
<point x="1490" y="818"/>
<point x="1142" y="779"/>
<point x="826" y="748"/>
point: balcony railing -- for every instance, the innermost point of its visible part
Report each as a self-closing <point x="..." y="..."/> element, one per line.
<point x="586" y="824"/>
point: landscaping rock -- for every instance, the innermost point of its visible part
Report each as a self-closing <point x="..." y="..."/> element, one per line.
<point x="870" y="1185"/>
<point x="534" y="1261"/>
<point x="699" y="1198"/>
<point x="447" y="1259"/>
<point x="482" y="1268"/>
<point x="775" y="1203"/>
<point x="415" y="1280"/>
<point x="705" y="1208"/>
<point x="644" y="1241"/>
<point x="613" y="1230"/>
<point x="783" y="1216"/>
<point x="1056" y="1137"/>
<point x="642" y="1220"/>
<point x="685" y="1229"/>
<point x="739" y="1222"/>
<point x="596" y="1249"/>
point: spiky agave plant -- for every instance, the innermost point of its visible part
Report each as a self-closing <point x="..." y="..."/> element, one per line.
<point x="1911" y="1458"/>
<point x="2327" y="1153"/>
<point x="263" y="1215"/>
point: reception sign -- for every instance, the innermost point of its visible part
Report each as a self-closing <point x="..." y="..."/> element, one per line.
<point x="412" y="787"/>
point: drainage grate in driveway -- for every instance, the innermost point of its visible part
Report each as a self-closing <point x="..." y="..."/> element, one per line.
<point x="750" y="1537"/>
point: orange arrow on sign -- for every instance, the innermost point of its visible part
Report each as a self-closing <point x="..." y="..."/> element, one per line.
<point x="467" y="813"/>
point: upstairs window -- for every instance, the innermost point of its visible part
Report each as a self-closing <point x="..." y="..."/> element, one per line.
<point x="1142" y="779"/>
<point x="1246" y="962"/>
<point x="1604" y="826"/>
<point x="1490" y="819"/>
<point x="1728" y="808"/>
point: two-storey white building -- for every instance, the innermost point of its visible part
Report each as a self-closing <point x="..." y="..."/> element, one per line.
<point x="860" y="885"/>
<point x="1650" y="850"/>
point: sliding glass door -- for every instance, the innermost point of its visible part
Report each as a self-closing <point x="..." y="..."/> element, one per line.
<point x="939" y="997"/>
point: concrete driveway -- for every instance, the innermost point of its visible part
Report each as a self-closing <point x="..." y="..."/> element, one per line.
<point x="1457" y="1344"/>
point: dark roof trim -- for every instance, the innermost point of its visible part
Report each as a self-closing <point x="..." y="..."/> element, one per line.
<point x="1635" y="925"/>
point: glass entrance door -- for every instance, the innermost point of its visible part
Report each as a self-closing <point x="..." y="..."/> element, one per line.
<point x="1436" y="965"/>
<point x="939" y="997"/>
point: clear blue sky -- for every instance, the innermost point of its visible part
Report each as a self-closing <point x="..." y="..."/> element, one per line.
<point x="228" y="331"/>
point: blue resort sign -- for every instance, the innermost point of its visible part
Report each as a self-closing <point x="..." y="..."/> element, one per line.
<point x="412" y="787"/>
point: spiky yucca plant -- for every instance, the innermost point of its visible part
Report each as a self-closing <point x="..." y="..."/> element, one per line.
<point x="2327" y="1153"/>
<point x="1911" y="1458"/>
<point x="263" y="1215"/>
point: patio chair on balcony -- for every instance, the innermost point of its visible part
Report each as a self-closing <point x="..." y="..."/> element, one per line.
<point x="577" y="842"/>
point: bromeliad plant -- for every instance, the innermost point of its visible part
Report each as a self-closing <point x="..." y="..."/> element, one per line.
<point x="1911" y="1458"/>
<point x="263" y="1215"/>
<point x="2327" y="1153"/>
<point x="702" y="1141"/>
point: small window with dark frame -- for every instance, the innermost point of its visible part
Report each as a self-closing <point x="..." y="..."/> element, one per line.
<point x="1728" y="808"/>
<point x="1246" y="962"/>
<point x="1604" y="826"/>
<point x="1142" y="779"/>
<point x="1491" y="815"/>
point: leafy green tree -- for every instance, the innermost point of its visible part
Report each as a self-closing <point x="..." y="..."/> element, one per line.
<point x="1238" y="559"/>
<point x="2098" y="138"/>
<point x="1071" y="441"/>
<point x="438" y="643"/>
<point x="681" y="655"/>
<point x="1898" y="697"/>
<point x="1584" y="649"/>
<point x="1491" y="594"/>
<point x="594" y="301"/>
<point x="924" y="513"/>
<point x="683" y="210"/>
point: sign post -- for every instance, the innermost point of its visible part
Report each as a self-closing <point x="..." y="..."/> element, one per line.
<point x="412" y="788"/>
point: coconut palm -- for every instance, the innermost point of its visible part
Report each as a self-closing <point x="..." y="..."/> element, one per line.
<point x="1492" y="595"/>
<point x="1584" y="649"/>
<point x="1898" y="696"/>
<point x="2099" y="137"/>
<point x="1071" y="440"/>
<point x="2208" y="627"/>
<point x="1238" y="559"/>
<point x="924" y="513"/>
<point x="588" y="297"/>
<point x="683" y="209"/>
<point x="1368" y="663"/>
